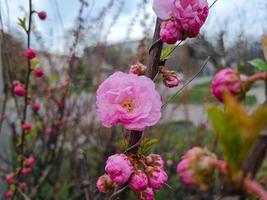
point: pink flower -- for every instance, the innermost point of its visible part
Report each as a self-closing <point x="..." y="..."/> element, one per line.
<point x="104" y="184"/>
<point x="9" y="179"/>
<point x="26" y="171"/>
<point x="157" y="177"/>
<point x="191" y="15"/>
<point x="119" y="168"/>
<point x="170" y="31"/>
<point x="138" y="69"/>
<point x="129" y="100"/>
<point x="29" y="53"/>
<point x="138" y="181"/>
<point x="197" y="168"/>
<point x="8" y="194"/>
<point x="29" y="161"/>
<point x="36" y="107"/>
<point x="23" y="186"/>
<point x="163" y="8"/>
<point x="19" y="90"/>
<point x="147" y="194"/>
<point x="27" y="126"/>
<point x="38" y="72"/>
<point x="42" y="15"/>
<point x="155" y="160"/>
<point x="227" y="80"/>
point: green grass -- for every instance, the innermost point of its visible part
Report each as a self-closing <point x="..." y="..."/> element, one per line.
<point x="200" y="94"/>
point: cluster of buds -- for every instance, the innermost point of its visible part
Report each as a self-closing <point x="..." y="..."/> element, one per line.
<point x="182" y="18"/>
<point x="13" y="180"/>
<point x="229" y="81"/>
<point x="138" y="69"/>
<point x="170" y="78"/>
<point x="143" y="174"/>
<point x="197" y="168"/>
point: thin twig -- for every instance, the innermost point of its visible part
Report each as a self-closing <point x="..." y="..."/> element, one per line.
<point x="187" y="83"/>
<point x="118" y="192"/>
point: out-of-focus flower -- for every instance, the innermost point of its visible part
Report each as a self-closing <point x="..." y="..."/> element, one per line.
<point x="38" y="72"/>
<point x="9" y="178"/>
<point x="29" y="161"/>
<point x="197" y="168"/>
<point x="19" y="90"/>
<point x="27" y="126"/>
<point x="30" y="53"/>
<point x="8" y="194"/>
<point x="119" y="168"/>
<point x="170" y="31"/>
<point x="157" y="177"/>
<point x="147" y="194"/>
<point x="36" y="107"/>
<point x="227" y="81"/>
<point x="129" y="100"/>
<point x="104" y="184"/>
<point x="23" y="186"/>
<point x="138" y="69"/>
<point x="26" y="171"/>
<point x="138" y="181"/>
<point x="42" y="15"/>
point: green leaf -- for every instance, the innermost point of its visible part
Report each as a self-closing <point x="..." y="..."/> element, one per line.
<point x="22" y="23"/>
<point x="147" y="145"/>
<point x="166" y="52"/>
<point x="259" y="64"/>
<point x="34" y="63"/>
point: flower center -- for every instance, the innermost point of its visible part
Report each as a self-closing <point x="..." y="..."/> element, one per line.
<point x="128" y="105"/>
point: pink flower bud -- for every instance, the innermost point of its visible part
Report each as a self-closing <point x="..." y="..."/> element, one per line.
<point x="170" y="78"/>
<point x="19" y="90"/>
<point x="170" y="32"/>
<point x="48" y="130"/>
<point x="138" y="69"/>
<point x="38" y="72"/>
<point x="36" y="107"/>
<point x="29" y="161"/>
<point x="157" y="177"/>
<point x="23" y="186"/>
<point x="197" y="168"/>
<point x="27" y="126"/>
<point x="26" y="171"/>
<point x="119" y="168"/>
<point x="147" y="194"/>
<point x="104" y="184"/>
<point x="138" y="181"/>
<point x="155" y="160"/>
<point x="227" y="81"/>
<point x="9" y="179"/>
<point x="29" y="53"/>
<point x="191" y="15"/>
<point x="2" y="117"/>
<point x="8" y="194"/>
<point x="42" y="15"/>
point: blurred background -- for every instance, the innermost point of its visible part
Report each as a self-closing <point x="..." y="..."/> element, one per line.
<point x="80" y="44"/>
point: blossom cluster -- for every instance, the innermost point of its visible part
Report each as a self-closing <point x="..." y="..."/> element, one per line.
<point x="143" y="174"/>
<point x="182" y="18"/>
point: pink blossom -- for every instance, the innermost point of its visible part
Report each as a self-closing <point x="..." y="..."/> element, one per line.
<point x="184" y="174"/>
<point x="119" y="168"/>
<point x="19" y="90"/>
<point x="42" y="15"/>
<point x="38" y="72"/>
<point x="27" y="126"/>
<point x="26" y="171"/>
<point x="9" y="179"/>
<point x="8" y="194"/>
<point x="30" y="53"/>
<point x="104" y="184"/>
<point x="155" y="160"/>
<point x="163" y="8"/>
<point x="226" y="80"/>
<point x="191" y="15"/>
<point x="138" y="181"/>
<point x="29" y="161"/>
<point x="147" y="194"/>
<point x="157" y="177"/>
<point x="23" y="186"/>
<point x="129" y="100"/>
<point x="138" y="69"/>
<point x="36" y="107"/>
<point x="170" y="31"/>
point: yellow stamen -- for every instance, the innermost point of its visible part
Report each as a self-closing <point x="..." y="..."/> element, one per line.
<point x="128" y="105"/>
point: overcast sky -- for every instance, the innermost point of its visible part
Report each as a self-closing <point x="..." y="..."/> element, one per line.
<point x="233" y="15"/>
